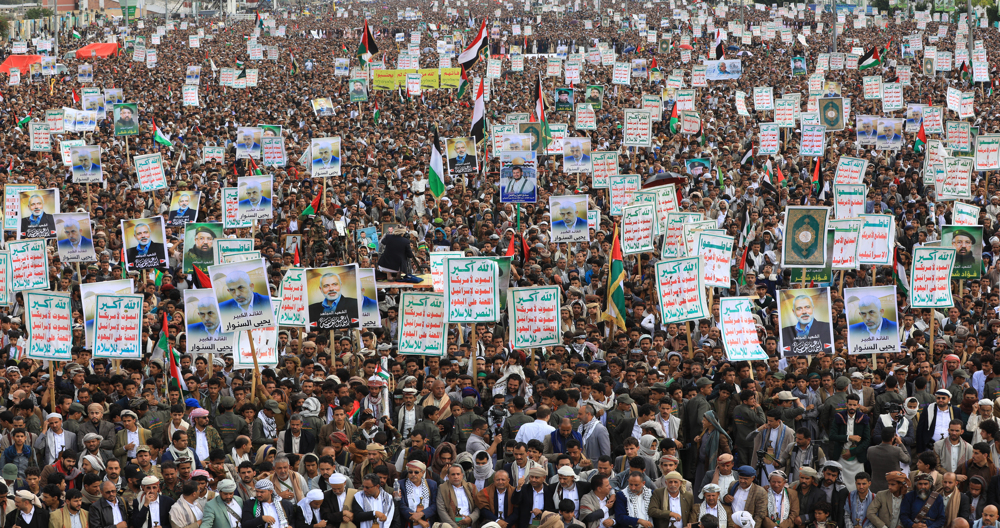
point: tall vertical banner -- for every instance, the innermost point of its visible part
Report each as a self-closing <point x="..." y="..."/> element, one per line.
<point x="49" y="321"/>
<point x="29" y="264"/>
<point x="930" y="277"/>
<point x="6" y="296"/>
<point x="421" y="324"/>
<point x="739" y="331"/>
<point x="846" y="235"/>
<point x="805" y="236"/>
<point x="680" y="287"/>
<point x="534" y="316"/>
<point x="804" y="317"/>
<point x="471" y="290"/>
<point x="716" y="252"/>
<point x="370" y="316"/>
<point x="877" y="239"/>
<point x="638" y="225"/>
<point x="294" y="298"/>
<point x="873" y="323"/>
<point x="118" y="329"/>
<point x="849" y="200"/>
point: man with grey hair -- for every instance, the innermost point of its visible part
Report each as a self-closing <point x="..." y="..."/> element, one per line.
<point x="874" y="327"/>
<point x="38" y="220"/>
<point x="807" y="334"/>
<point x="244" y="298"/>
<point x="335" y="310"/>
<point x="74" y="242"/>
<point x="184" y="212"/>
<point x="255" y="198"/>
<point x="288" y="484"/>
<point x="208" y="312"/>
<point x="141" y="255"/>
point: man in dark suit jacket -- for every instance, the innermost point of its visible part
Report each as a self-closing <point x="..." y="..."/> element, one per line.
<point x="336" y="500"/>
<point x="38" y="218"/>
<point x="807" y="329"/>
<point x="145" y="246"/>
<point x="150" y="494"/>
<point x="554" y="493"/>
<point x="256" y="512"/>
<point x="926" y="420"/>
<point x="27" y="504"/>
<point x="101" y="512"/>
<point x="307" y="440"/>
<point x="526" y="503"/>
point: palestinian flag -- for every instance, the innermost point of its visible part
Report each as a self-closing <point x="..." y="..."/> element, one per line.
<point x="239" y="65"/>
<point x="24" y="120"/>
<point x="256" y="169"/>
<point x="160" y="137"/>
<point x="77" y="35"/>
<point x="966" y="74"/>
<point x="382" y="374"/>
<point x="172" y="358"/>
<point x="899" y="274"/>
<point x="463" y="85"/>
<point x="701" y="137"/>
<point x="470" y="56"/>
<point x="615" y="312"/>
<point x="654" y="67"/>
<point x="295" y="65"/>
<point x="818" y="176"/>
<point x="367" y="47"/>
<point x="259" y="21"/>
<point x="540" y="114"/>
<point x="436" y="169"/>
<point x="312" y="207"/>
<point x="479" y="115"/>
<point x="870" y="59"/>
<point x="674" y="121"/>
<point x="743" y="265"/>
<point x="377" y="116"/>
<point x="343" y="48"/>
<point x="747" y="157"/>
<point x="921" y="140"/>
<point x="201" y="278"/>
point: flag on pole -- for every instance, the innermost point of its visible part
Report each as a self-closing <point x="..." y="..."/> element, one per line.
<point x="377" y="115"/>
<point x="463" y="85"/>
<point x="367" y="47"/>
<point x="899" y="274"/>
<point x="312" y="207"/>
<point x="76" y="96"/>
<point x="470" y="56"/>
<point x="615" y="312"/>
<point x="479" y="115"/>
<point x="818" y="176"/>
<point x="921" y="139"/>
<point x="436" y="176"/>
<point x="24" y="120"/>
<point x="160" y="137"/>
<point x="870" y="59"/>
<point x="546" y="136"/>
<point x="295" y="259"/>
<point x="674" y="120"/>
<point x="201" y="278"/>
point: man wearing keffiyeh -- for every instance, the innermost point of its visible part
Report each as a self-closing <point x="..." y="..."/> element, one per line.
<point x="782" y="507"/>
<point x="266" y="509"/>
<point x="632" y="503"/>
<point x="374" y="507"/>
<point x="418" y="496"/>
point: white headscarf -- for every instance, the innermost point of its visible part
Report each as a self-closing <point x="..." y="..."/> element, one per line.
<point x="307" y="509"/>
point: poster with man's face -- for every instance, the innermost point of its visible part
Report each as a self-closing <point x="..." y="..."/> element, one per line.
<point x="968" y="242"/>
<point x="359" y="90"/>
<point x="872" y="324"/>
<point x="518" y="176"/>
<point x="564" y="99"/>
<point x="204" y="329"/>
<point x="890" y="134"/>
<point x="192" y="75"/>
<point x="75" y="241"/>
<point x="241" y="289"/>
<point x="462" y="156"/>
<point x="333" y="294"/>
<point x="37" y="208"/>
<point x="576" y="155"/>
<point x="145" y="243"/>
<point x="184" y="208"/>
<point x="594" y="95"/>
<point x="866" y="129"/>
<point x="569" y="218"/>
<point x="255" y="197"/>
<point x="270" y="130"/>
<point x="248" y="142"/>
<point x="322" y="106"/>
<point x="798" y="65"/>
<point x="805" y="321"/>
<point x="94" y="103"/>
<point x="113" y="96"/>
<point x="199" y="245"/>
<point x="86" y="164"/>
<point x="325" y="157"/>
<point x="125" y="115"/>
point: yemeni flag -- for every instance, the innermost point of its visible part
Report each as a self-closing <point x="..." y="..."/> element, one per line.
<point x="899" y="274"/>
<point x="674" y="121"/>
<point x="312" y="207"/>
<point x="720" y="51"/>
<point x="470" y="56"/>
<point x="463" y="85"/>
<point x="436" y="170"/>
<point x="160" y="137"/>
<point x="367" y="48"/>
<point x="921" y="141"/>
<point x="615" y="312"/>
<point x="870" y="59"/>
<point x="479" y="116"/>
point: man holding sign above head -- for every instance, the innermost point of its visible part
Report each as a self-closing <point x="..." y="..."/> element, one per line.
<point x="35" y="220"/>
<point x="146" y="252"/>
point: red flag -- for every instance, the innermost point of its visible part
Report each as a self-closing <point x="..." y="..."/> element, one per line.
<point x="202" y="278"/>
<point x="76" y="97"/>
<point x="781" y="177"/>
<point x="524" y="244"/>
<point x="295" y="260"/>
<point x="510" y="247"/>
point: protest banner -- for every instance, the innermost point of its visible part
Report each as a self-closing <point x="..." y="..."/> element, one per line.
<point x="438" y="259"/>
<point x="49" y="323"/>
<point x="638" y="128"/>
<point x="805" y="320"/>
<point x="422" y="324"/>
<point x="621" y="187"/>
<point x="471" y="291"/>
<point x="849" y="200"/>
<point x="987" y="152"/>
<point x="957" y="135"/>
<point x="534" y="316"/>
<point x="29" y="264"/>
<point x="770" y="139"/>
<point x="368" y="299"/>
<point x="872" y="320"/>
<point x="850" y="170"/>
<point x="673" y="239"/>
<point x="968" y="242"/>
<point x="39" y="137"/>
<point x="739" y="330"/>
<point x="964" y="214"/>
<point x="877" y="239"/>
<point x="569" y="218"/>
<point x="292" y="311"/>
<point x="957" y="183"/>
<point x="638" y="224"/>
<point x="12" y="204"/>
<point x="846" y="235"/>
<point x="763" y="98"/>
<point x="680" y="289"/>
<point x="716" y="252"/>
<point x="118" y="327"/>
<point x="813" y="140"/>
<point x="149" y="168"/>
<point x="241" y="291"/>
<point x="930" y="277"/>
<point x="274" y="151"/>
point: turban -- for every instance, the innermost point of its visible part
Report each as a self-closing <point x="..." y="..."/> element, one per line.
<point x="150" y="480"/>
<point x="264" y="485"/>
<point x="130" y="413"/>
<point x="566" y="471"/>
<point x="339" y="436"/>
<point x="375" y="447"/>
<point x="199" y="413"/>
<point x="94" y="436"/>
<point x="537" y="472"/>
<point x="985" y="403"/>
<point x="897" y="476"/>
<point x="200" y="473"/>
<point x="711" y="488"/>
<point x="95" y="462"/>
<point x="808" y="472"/>
<point x="52" y="415"/>
<point x="778" y="473"/>
<point x="951" y="357"/>
<point x="227" y="486"/>
<point x="673" y="475"/>
<point x="95" y="407"/>
<point x="943" y="392"/>
<point x="416" y="464"/>
<point x="314" y="495"/>
<point x="375" y="380"/>
<point x="338" y="478"/>
<point x="29" y="496"/>
<point x="918" y="478"/>
<point x="668" y="458"/>
<point x="746" y="471"/>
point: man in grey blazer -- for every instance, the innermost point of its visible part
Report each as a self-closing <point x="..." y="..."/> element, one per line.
<point x="885" y="458"/>
<point x="596" y="441"/>
<point x="880" y="511"/>
<point x="597" y="508"/>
